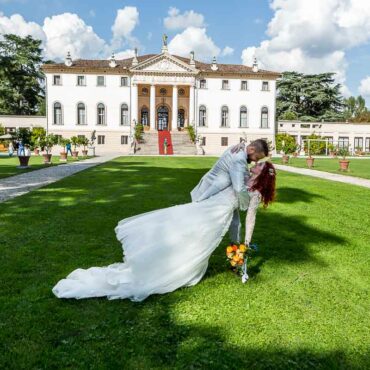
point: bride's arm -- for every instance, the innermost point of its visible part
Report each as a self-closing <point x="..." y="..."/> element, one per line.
<point x="250" y="218"/>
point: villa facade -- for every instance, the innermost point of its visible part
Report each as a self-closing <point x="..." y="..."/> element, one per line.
<point x="223" y="102"/>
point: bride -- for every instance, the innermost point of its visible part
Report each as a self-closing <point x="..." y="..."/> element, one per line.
<point x="169" y="248"/>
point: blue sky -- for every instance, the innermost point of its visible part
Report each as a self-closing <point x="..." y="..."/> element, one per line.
<point x="310" y="36"/>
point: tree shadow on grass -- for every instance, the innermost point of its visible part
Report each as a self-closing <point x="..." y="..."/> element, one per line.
<point x="292" y="195"/>
<point x="69" y="224"/>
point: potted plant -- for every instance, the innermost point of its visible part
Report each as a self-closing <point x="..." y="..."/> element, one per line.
<point x="343" y="163"/>
<point x="23" y="137"/>
<point x="47" y="144"/>
<point x="358" y="151"/>
<point x="332" y="150"/>
<point x="76" y="143"/>
<point x="310" y="161"/>
<point x="288" y="147"/>
<point x="37" y="134"/>
<point x="84" y="141"/>
<point x="63" y="154"/>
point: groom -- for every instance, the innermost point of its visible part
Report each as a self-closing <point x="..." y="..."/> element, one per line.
<point x="231" y="169"/>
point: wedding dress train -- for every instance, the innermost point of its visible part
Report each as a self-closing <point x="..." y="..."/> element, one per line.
<point x="163" y="250"/>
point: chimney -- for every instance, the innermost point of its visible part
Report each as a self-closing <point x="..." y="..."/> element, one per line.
<point x="192" y="61"/>
<point x="68" y="60"/>
<point x="112" y="61"/>
<point x="214" y="66"/>
<point x="255" y="65"/>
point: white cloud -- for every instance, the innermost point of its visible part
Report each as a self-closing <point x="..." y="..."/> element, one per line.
<point x="68" y="32"/>
<point x="312" y="36"/>
<point x="227" y="50"/>
<point x="125" y="54"/>
<point x="194" y="39"/>
<point x="178" y="21"/>
<point x="126" y="21"/>
<point x="364" y="88"/>
<point x="16" y="24"/>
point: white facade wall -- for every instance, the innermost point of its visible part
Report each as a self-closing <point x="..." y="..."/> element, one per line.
<point x="69" y="94"/>
<point x="13" y="122"/>
<point x="333" y="130"/>
<point x="214" y="98"/>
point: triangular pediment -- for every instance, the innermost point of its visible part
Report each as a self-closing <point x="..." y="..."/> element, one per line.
<point x="164" y="63"/>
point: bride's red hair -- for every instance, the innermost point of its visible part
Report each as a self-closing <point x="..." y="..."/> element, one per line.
<point x="265" y="183"/>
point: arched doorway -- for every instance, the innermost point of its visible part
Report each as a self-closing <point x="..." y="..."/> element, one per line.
<point x="162" y="118"/>
<point x="181" y="118"/>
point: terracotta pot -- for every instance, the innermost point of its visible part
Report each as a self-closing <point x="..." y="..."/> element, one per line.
<point x="63" y="157"/>
<point x="285" y="159"/>
<point x="36" y="151"/>
<point x="332" y="154"/>
<point x="23" y="161"/>
<point x="75" y="154"/>
<point x="47" y="158"/>
<point x="310" y="161"/>
<point x="344" y="164"/>
<point x="84" y="153"/>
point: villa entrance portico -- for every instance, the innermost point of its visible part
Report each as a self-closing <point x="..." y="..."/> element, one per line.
<point x="162" y="93"/>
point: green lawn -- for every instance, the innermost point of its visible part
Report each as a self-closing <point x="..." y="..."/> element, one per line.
<point x="357" y="167"/>
<point x="306" y="305"/>
<point x="8" y="165"/>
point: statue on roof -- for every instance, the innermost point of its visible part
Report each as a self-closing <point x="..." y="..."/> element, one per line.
<point x="164" y="39"/>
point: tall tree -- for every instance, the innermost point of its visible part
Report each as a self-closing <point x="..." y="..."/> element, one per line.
<point x="354" y="107"/>
<point x="21" y="90"/>
<point x="309" y="97"/>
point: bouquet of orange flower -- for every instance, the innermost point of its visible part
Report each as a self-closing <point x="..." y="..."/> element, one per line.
<point x="237" y="256"/>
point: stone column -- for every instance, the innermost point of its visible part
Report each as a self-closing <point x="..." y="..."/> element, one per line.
<point x="174" y="108"/>
<point x="191" y="107"/>
<point x="134" y="102"/>
<point x="152" y="107"/>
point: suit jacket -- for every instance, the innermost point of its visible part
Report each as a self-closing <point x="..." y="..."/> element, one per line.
<point x="230" y="169"/>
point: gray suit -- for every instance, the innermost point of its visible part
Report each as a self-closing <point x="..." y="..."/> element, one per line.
<point x="230" y="169"/>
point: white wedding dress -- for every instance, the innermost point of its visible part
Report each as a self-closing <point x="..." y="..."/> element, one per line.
<point x="163" y="250"/>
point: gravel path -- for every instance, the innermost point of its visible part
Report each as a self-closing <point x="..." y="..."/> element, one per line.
<point x="14" y="186"/>
<point x="326" y="175"/>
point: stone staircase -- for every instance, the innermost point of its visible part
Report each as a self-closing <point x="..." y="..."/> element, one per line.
<point x="180" y="142"/>
<point x="182" y="145"/>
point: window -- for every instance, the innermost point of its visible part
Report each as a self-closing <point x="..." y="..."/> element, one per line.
<point x="124" y="140"/>
<point x="9" y="130"/>
<point x="81" y="114"/>
<point x="124" y="81"/>
<point x="101" y="114"/>
<point x="224" y="141"/>
<point x="203" y="142"/>
<point x="330" y="139"/>
<point x="81" y="136"/>
<point x="243" y="117"/>
<point x="225" y="84"/>
<point x="367" y="144"/>
<point x="224" y="116"/>
<point x="281" y="125"/>
<point x="265" y="86"/>
<point x="305" y="125"/>
<point x="244" y="85"/>
<point x="293" y="124"/>
<point x="343" y="142"/>
<point x="81" y="81"/>
<point x="124" y="115"/>
<point x="101" y="139"/>
<point x="181" y="92"/>
<point x="100" y="81"/>
<point x="264" y="117"/>
<point x="202" y="116"/>
<point x="58" y="116"/>
<point x="163" y="91"/>
<point x="202" y="84"/>
<point x="144" y="91"/>
<point x="181" y="118"/>
<point x="359" y="143"/>
<point x="57" y="80"/>
<point x="144" y="116"/>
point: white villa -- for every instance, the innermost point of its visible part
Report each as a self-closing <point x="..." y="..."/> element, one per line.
<point x="163" y="92"/>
